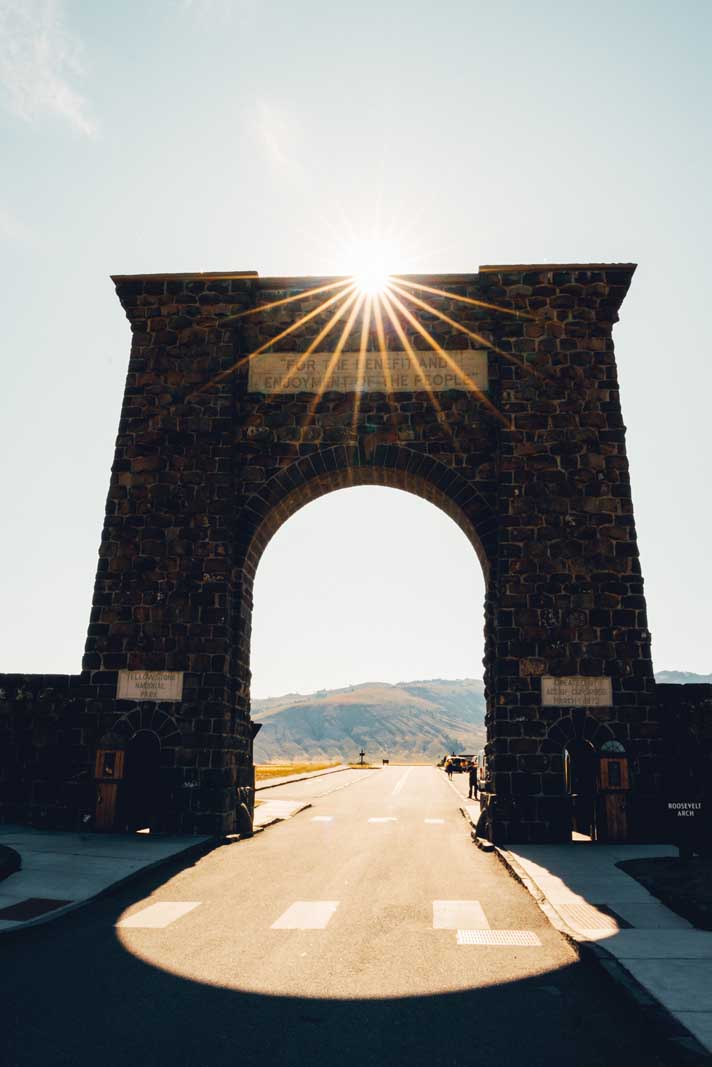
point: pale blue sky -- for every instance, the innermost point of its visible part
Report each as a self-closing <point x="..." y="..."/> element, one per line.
<point x="210" y="135"/>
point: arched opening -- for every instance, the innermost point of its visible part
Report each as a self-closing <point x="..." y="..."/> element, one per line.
<point x="580" y="776"/>
<point x="386" y="590"/>
<point x="141" y="794"/>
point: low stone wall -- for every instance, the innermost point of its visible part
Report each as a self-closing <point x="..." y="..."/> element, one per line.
<point x="45" y="755"/>
<point x="49" y="731"/>
<point x="686" y="726"/>
<point x="51" y="727"/>
<point x="689" y="706"/>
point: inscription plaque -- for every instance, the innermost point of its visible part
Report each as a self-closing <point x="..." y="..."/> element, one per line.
<point x="150" y="685"/>
<point x="282" y="372"/>
<point x="576" y="691"/>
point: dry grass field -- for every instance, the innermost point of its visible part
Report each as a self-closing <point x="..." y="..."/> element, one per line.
<point x="264" y="771"/>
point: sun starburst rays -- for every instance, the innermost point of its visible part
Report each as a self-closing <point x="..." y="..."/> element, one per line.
<point x="473" y="334"/>
<point x="348" y="300"/>
<point x="342" y="283"/>
<point x="340" y="344"/>
<point x="468" y="382"/>
<point x="464" y="299"/>
<point x="362" y="350"/>
<point x="414" y="361"/>
<point x="273" y="340"/>
<point x="383" y="347"/>
<point x="384" y="306"/>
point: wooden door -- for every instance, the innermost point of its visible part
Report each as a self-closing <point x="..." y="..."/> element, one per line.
<point x="613" y="789"/>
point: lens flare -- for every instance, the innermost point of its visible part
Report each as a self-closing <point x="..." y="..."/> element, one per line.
<point x="371" y="262"/>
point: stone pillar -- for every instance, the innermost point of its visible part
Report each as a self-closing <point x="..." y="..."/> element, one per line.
<point x="162" y="594"/>
<point x="569" y="591"/>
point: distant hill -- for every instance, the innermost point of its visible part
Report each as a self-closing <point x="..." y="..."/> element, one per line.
<point x="411" y="720"/>
<point x="418" y="720"/>
<point x="682" y="677"/>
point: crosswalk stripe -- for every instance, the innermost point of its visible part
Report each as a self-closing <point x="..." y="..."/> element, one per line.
<point x="306" y="915"/>
<point x="459" y="915"/>
<point x="384" y="818"/>
<point x="322" y="818"/>
<point x="156" y="916"/>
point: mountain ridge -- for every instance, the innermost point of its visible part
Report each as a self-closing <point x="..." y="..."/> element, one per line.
<point x="419" y="719"/>
<point x="406" y="720"/>
<point x="682" y="678"/>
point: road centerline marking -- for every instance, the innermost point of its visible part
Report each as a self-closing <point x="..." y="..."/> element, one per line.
<point x="159" y="915"/>
<point x="306" y="915"/>
<point x="459" y="915"/>
<point x="322" y="818"/>
<point x="383" y="818"/>
<point x="401" y="782"/>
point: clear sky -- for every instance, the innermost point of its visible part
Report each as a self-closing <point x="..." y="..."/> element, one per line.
<point x="216" y="135"/>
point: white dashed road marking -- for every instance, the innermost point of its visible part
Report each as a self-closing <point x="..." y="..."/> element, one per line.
<point x="519" y="938"/>
<point x="269" y="810"/>
<point x="307" y="915"/>
<point x="322" y="818"/>
<point x="384" y="818"/>
<point x="156" y="916"/>
<point x="434" y="822"/>
<point x="459" y="915"/>
<point x="401" y="782"/>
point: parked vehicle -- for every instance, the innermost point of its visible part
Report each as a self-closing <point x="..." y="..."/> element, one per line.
<point x="481" y="769"/>
<point x="457" y="764"/>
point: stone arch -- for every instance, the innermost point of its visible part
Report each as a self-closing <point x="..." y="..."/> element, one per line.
<point x="145" y="717"/>
<point x="572" y="747"/>
<point x="340" y="467"/>
<point x="575" y="728"/>
<point x="151" y="791"/>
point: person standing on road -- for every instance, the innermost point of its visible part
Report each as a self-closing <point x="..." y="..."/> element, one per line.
<point x="472" y="795"/>
<point x="448" y="768"/>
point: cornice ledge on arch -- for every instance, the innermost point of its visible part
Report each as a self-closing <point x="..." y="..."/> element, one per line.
<point x="341" y="466"/>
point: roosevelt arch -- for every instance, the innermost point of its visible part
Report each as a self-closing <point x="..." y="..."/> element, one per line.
<point x="210" y="458"/>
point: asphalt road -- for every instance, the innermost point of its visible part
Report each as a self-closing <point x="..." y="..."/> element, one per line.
<point x="329" y="939"/>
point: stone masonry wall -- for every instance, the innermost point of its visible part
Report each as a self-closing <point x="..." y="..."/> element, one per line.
<point x="203" y="477"/>
<point x="44" y="750"/>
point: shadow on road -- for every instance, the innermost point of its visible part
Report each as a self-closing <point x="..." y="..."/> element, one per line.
<point x="73" y="995"/>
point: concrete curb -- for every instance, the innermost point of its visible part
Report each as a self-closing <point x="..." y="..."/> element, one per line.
<point x="482" y="843"/>
<point x="195" y="850"/>
<point x="288" y="779"/>
<point x="10" y="861"/>
<point x="684" y="1046"/>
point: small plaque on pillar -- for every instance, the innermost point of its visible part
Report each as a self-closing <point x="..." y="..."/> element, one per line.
<point x="576" y="691"/>
<point x="150" y="685"/>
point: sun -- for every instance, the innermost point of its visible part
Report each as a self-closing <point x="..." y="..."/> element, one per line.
<point x="371" y="281"/>
<point x="371" y="264"/>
